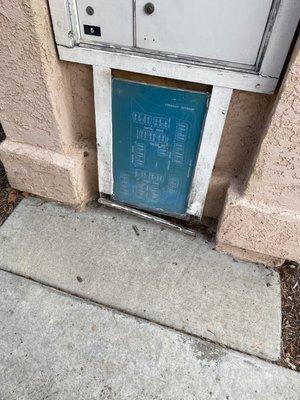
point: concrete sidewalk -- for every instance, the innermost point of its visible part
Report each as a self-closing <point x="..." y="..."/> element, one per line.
<point x="142" y="269"/>
<point x="54" y="346"/>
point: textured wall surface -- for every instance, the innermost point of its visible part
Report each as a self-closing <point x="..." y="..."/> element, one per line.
<point x="276" y="175"/>
<point x="263" y="214"/>
<point x="26" y="110"/>
<point x="42" y="106"/>
<point x="242" y="134"/>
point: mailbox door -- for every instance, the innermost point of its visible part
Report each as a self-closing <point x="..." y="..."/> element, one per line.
<point x="106" y="21"/>
<point x="225" y="30"/>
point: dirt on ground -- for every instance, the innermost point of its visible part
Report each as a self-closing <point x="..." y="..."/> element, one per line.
<point x="9" y="198"/>
<point x="290" y="292"/>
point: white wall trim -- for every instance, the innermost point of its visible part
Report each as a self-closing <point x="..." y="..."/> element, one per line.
<point x="212" y="132"/>
<point x="169" y="69"/>
<point x="103" y="113"/>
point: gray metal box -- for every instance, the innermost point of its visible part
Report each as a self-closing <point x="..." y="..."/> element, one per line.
<point x="114" y="18"/>
<point x="230" y="31"/>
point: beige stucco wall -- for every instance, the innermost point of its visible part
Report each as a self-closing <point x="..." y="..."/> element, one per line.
<point x="50" y="145"/>
<point x="47" y="111"/>
<point x="242" y="133"/>
<point x="261" y="216"/>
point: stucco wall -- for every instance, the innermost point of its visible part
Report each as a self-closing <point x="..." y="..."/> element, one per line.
<point x="275" y="177"/>
<point x="261" y="216"/>
<point x="242" y="134"/>
<point x="50" y="145"/>
<point x="48" y="104"/>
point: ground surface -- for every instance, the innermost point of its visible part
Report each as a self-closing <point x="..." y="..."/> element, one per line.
<point x="55" y="346"/>
<point x="41" y="383"/>
<point x="141" y="268"/>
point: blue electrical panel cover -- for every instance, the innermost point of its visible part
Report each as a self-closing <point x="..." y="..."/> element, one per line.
<point x="156" y="136"/>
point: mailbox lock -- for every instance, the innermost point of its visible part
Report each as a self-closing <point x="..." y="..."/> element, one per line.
<point x="89" y="10"/>
<point x="149" y="8"/>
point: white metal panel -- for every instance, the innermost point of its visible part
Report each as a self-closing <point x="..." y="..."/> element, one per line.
<point x="281" y="37"/>
<point x="61" y="22"/>
<point x="212" y="132"/>
<point x="227" y="30"/>
<point x="102" y="95"/>
<point x="169" y="69"/>
<point x="114" y="17"/>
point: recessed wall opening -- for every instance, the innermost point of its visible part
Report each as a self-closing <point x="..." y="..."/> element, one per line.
<point x="160" y="81"/>
<point x="157" y="131"/>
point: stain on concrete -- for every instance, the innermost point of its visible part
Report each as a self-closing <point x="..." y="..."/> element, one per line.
<point x="203" y="351"/>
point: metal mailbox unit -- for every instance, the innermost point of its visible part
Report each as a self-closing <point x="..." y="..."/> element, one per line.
<point x="226" y="44"/>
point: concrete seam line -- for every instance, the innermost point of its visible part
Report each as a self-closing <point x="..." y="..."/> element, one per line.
<point x="78" y="297"/>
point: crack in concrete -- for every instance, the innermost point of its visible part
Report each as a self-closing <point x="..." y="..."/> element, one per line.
<point x="207" y="355"/>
